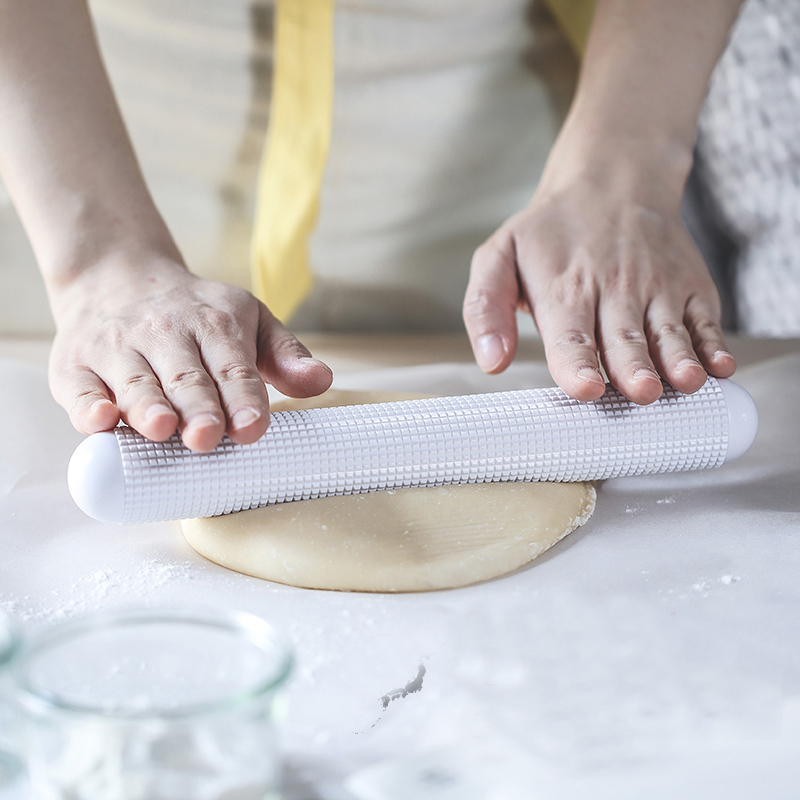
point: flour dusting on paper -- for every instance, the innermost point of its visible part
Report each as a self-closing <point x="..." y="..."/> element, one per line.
<point x="94" y="591"/>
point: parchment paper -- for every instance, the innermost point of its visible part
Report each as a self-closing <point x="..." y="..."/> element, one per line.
<point x="653" y="653"/>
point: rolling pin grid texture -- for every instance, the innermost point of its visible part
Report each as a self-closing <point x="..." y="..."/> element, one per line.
<point x="529" y="435"/>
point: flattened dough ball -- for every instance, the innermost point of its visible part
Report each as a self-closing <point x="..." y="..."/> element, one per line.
<point x="405" y="540"/>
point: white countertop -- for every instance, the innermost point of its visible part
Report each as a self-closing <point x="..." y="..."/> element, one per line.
<point x="653" y="653"/>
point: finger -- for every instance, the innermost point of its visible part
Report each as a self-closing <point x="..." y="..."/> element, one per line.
<point x="86" y="399"/>
<point x="141" y="399"/>
<point x="671" y="346"/>
<point x="625" y="353"/>
<point x="490" y="303"/>
<point x="192" y="393"/>
<point x="568" y="335"/>
<point x="241" y="389"/>
<point x="287" y="364"/>
<point x="702" y="321"/>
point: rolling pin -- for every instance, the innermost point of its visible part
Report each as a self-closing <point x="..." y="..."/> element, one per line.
<point x="526" y="435"/>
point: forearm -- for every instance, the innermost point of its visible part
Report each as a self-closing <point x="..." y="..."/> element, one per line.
<point x="643" y="81"/>
<point x="64" y="153"/>
<point x="600" y="256"/>
<point x="139" y="339"/>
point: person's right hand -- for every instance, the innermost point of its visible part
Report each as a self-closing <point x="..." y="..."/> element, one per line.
<point x="164" y="350"/>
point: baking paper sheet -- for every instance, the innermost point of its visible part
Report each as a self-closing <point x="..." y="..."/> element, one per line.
<point x="652" y="653"/>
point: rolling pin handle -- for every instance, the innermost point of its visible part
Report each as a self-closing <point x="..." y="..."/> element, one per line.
<point x="96" y="479"/>
<point x="742" y="419"/>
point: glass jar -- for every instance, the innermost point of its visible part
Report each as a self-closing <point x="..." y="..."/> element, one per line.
<point x="10" y="767"/>
<point x="153" y="705"/>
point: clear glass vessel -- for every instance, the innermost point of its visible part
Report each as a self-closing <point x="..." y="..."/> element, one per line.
<point x="153" y="705"/>
<point x="10" y="766"/>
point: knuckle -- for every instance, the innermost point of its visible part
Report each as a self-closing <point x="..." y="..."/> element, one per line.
<point x="574" y="338"/>
<point x="235" y="371"/>
<point x="575" y="286"/>
<point x="704" y="305"/>
<point x="81" y="399"/>
<point x="226" y="294"/>
<point x="628" y="336"/>
<point x="115" y="336"/>
<point x="626" y="279"/>
<point x="162" y="326"/>
<point x="288" y="345"/>
<point x="194" y="377"/>
<point x="479" y="303"/>
<point x="218" y="323"/>
<point x="669" y="330"/>
<point x="135" y="382"/>
<point x="705" y="328"/>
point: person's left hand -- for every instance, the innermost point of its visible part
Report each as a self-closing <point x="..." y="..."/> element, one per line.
<point x="610" y="276"/>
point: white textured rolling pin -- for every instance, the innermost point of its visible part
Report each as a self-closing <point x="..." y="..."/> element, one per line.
<point x="529" y="435"/>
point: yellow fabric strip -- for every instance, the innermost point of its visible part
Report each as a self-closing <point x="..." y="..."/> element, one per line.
<point x="574" y="17"/>
<point x="295" y="154"/>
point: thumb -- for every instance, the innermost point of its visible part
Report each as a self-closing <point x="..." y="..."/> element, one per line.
<point x="491" y="302"/>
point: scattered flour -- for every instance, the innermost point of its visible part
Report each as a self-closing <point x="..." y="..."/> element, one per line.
<point x="703" y="587"/>
<point x="98" y="589"/>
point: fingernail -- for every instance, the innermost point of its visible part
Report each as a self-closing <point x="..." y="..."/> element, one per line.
<point x="311" y="360"/>
<point x="157" y="410"/>
<point x="203" y="421"/>
<point x="645" y="372"/>
<point x="722" y="354"/>
<point x="590" y="375"/>
<point x="244" y="418"/>
<point x="688" y="362"/>
<point x="97" y="404"/>
<point x="489" y="351"/>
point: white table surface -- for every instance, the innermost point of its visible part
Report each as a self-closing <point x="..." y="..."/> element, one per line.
<point x="654" y="653"/>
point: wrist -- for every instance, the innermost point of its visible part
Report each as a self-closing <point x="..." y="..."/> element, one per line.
<point x="111" y="267"/>
<point x="94" y="238"/>
<point x="641" y="162"/>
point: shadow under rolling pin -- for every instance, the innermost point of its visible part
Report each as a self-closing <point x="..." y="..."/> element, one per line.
<point x="527" y="435"/>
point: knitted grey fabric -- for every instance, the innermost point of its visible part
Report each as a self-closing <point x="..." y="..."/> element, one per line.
<point x="748" y="161"/>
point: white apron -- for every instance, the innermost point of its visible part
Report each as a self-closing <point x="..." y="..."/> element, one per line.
<point x="403" y="133"/>
<point x="442" y="113"/>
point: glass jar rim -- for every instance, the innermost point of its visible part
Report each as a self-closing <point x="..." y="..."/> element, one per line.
<point x="10" y="640"/>
<point x="259" y="632"/>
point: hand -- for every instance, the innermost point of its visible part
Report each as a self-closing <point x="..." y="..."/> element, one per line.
<point x="600" y="256"/>
<point x="164" y="350"/>
<point x="610" y="275"/>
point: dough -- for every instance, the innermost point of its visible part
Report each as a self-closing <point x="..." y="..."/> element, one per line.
<point x="406" y="540"/>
